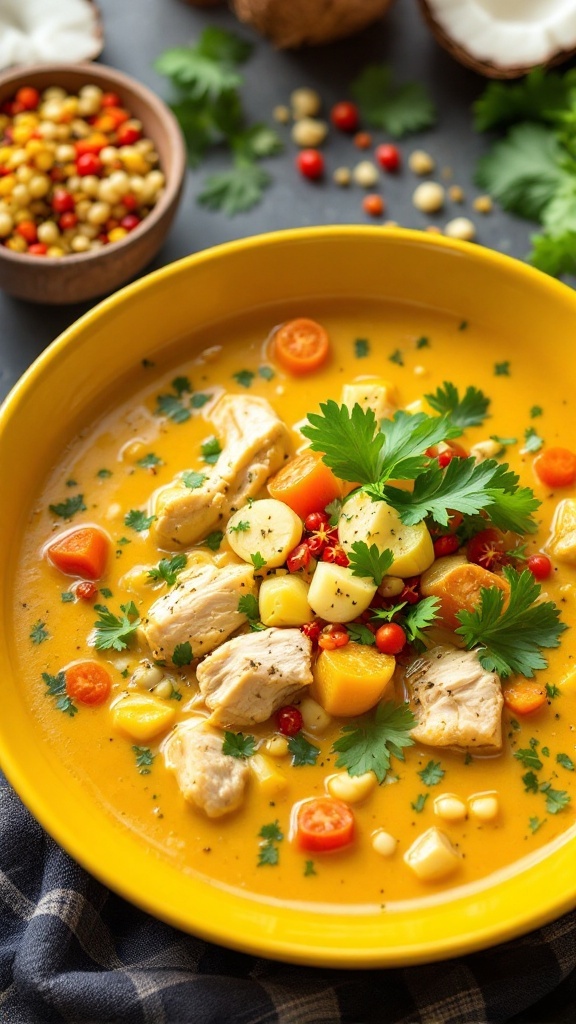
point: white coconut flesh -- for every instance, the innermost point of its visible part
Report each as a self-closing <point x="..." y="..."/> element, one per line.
<point x="508" y="32"/>
<point x="39" y="31"/>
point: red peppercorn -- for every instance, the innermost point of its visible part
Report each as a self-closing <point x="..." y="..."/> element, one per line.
<point x="88" y="163"/>
<point x="289" y="720"/>
<point x="27" y="230"/>
<point x="363" y="140"/>
<point x="373" y="205"/>
<point x="37" y="249"/>
<point x="411" y="590"/>
<point x="446" y="545"/>
<point x="344" y="116"/>
<point x="110" y="99"/>
<point x="62" y="201"/>
<point x="540" y="566"/>
<point x="311" y="630"/>
<point x="299" y="558"/>
<point x="310" y="163"/>
<point x="130" y="221"/>
<point x="390" y="638"/>
<point x="388" y="156"/>
<point x="86" y="590"/>
<point x="128" y="134"/>
<point x="28" y="97"/>
<point x="315" y="521"/>
<point x="68" y="220"/>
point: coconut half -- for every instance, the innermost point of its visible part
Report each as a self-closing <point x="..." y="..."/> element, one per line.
<point x="504" y="38"/>
<point x="44" y="31"/>
<point x="292" y="23"/>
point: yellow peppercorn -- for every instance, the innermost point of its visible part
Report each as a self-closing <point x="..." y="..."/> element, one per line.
<point x="6" y="224"/>
<point x="7" y="183"/>
<point x="132" y="160"/>
<point x="22" y="133"/>
<point x="116" y="234"/>
<point x="16" y="244"/>
<point x="44" y="161"/>
<point x="39" y="186"/>
<point x="55" y="251"/>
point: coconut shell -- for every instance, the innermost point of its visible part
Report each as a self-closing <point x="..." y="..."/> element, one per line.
<point x="486" y="68"/>
<point x="293" y="23"/>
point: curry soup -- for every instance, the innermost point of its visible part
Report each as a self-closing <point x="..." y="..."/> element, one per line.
<point x="479" y="810"/>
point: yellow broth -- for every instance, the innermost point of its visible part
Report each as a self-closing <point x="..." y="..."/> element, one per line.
<point x="416" y="350"/>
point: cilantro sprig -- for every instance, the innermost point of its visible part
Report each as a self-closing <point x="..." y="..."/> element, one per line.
<point x="509" y="638"/>
<point x="115" y="631"/>
<point x="168" y="569"/>
<point x="469" y="411"/>
<point x="396" y="108"/>
<point x="367" y="744"/>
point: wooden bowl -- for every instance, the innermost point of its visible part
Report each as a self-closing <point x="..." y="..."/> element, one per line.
<point x="77" y="277"/>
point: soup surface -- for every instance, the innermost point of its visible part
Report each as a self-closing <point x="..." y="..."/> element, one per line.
<point x="480" y="784"/>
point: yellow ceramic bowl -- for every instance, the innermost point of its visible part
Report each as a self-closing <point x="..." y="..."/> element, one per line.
<point x="288" y="268"/>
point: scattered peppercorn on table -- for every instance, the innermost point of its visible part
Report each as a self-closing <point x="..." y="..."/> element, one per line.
<point x="77" y="174"/>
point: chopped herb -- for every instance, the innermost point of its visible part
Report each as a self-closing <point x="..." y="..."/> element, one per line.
<point x="462" y="325"/>
<point x="168" y="569"/>
<point x="469" y="411"/>
<point x="114" y="631"/>
<point x="418" y="617"/>
<point x="139" y="521"/>
<point x="172" y="407"/>
<point x="67" y="509"/>
<point x="106" y="593"/>
<point x="545" y="751"/>
<point x="361" y="348"/>
<point x="536" y="411"/>
<point x="367" y="743"/>
<point x="505" y="442"/>
<point x="510" y="638"/>
<point x="397" y="357"/>
<point x="67" y="596"/>
<point x="566" y="762"/>
<point x="360" y="633"/>
<point x="244" y="377"/>
<point x="238" y="745"/>
<point x="396" y="109"/>
<point x="144" y="759"/>
<point x="419" y="802"/>
<point x="556" y="799"/>
<point x="528" y="758"/>
<point x="104" y="473"/>
<point x="56" y="687"/>
<point x="71" y="483"/>
<point x="199" y="399"/>
<point x="214" y="540"/>
<point x="248" y="606"/>
<point x="535" y="823"/>
<point x="302" y="751"/>
<point x="182" y="654"/>
<point x="333" y="509"/>
<point x="211" y="449"/>
<point x="423" y="342"/>
<point x="531" y="784"/>
<point x="369" y="562"/>
<point x="181" y="386"/>
<point x="532" y="441"/>
<point x="432" y="774"/>
<point x="309" y="869"/>
<point x="174" y="694"/>
<point x="149" y="461"/>
<point x="38" y="633"/>
<point x="266" y="372"/>
<point x="124" y="540"/>
<point x="192" y="479"/>
<point x="257" y="561"/>
<point x="552" y="691"/>
<point x="502" y="369"/>
<point x="240" y="527"/>
<point x="268" y="853"/>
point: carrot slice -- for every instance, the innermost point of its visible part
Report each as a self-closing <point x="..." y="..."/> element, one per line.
<point x="88" y="683"/>
<point x="306" y="484"/>
<point x="80" y="552"/>
<point x="522" y="696"/>
<point x="301" y="346"/>
<point x="556" y="467"/>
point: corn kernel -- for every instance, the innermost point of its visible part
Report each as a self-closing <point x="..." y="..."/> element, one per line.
<point x="55" y="251"/>
<point x="44" y="161"/>
<point x="79" y="243"/>
<point x="277" y="746"/>
<point x="6" y="224"/>
<point x="98" y="213"/>
<point x="484" y="806"/>
<point x="7" y="183"/>
<point x="450" y="807"/>
<point x="383" y="843"/>
<point x="117" y="234"/>
<point x="16" y="244"/>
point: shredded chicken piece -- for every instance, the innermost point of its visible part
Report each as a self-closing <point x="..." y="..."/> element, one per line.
<point x="211" y="780"/>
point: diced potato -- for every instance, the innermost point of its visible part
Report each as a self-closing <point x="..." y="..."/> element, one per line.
<point x="352" y="789"/>
<point x="432" y="856"/>
<point x="338" y="596"/>
<point x="270" y="779"/>
<point x="313" y="715"/>
<point x="561" y="543"/>
<point x="458" y="583"/>
<point x="142" y="717"/>
<point x="267" y="527"/>
<point x="350" y="680"/>
<point x="375" y="522"/>
<point x="283" y="601"/>
<point x="371" y="393"/>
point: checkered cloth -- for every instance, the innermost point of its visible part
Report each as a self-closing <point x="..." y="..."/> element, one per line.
<point x="71" y="951"/>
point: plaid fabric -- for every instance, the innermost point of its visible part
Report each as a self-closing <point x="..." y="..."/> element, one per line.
<point x="71" y="951"/>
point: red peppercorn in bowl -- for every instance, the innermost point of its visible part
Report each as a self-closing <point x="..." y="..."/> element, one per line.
<point x="92" y="165"/>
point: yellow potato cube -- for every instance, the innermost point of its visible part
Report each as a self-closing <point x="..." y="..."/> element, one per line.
<point x="432" y="856"/>
<point x="337" y="595"/>
<point x="350" y="680"/>
<point x="142" y="717"/>
<point x="271" y="780"/>
<point x="371" y="393"/>
<point x="267" y="527"/>
<point x="377" y="523"/>
<point x="562" y="541"/>
<point x="283" y="601"/>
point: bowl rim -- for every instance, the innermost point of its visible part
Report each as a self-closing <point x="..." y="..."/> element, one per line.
<point x="301" y="941"/>
<point x="97" y="73"/>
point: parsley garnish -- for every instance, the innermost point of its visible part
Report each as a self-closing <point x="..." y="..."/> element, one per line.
<point x="56" y="687"/>
<point x="244" y="378"/>
<point x="182" y="654"/>
<point x="171" y="406"/>
<point x="240" y="527"/>
<point x="530" y="780"/>
<point x="68" y="508"/>
<point x="238" y="745"/>
<point x="422" y="342"/>
<point x="168" y="569"/>
<point x="552" y="691"/>
<point x="248" y="606"/>
<point x="367" y="743"/>
<point x="502" y="369"/>
<point x="266" y="372"/>
<point x="149" y="461"/>
<point x="469" y="411"/>
<point x="535" y="823"/>
<point x="397" y="357"/>
<point x="302" y="751"/>
<point x="528" y="758"/>
<point x="114" y="631"/>
<point x="369" y="561"/>
<point x="144" y="759"/>
<point x="509" y="638"/>
<point x="361" y="348"/>
<point x="532" y="441"/>
<point x="309" y="868"/>
<point x="360" y="634"/>
<point x="268" y="853"/>
<point x="556" y="799"/>
<point x="257" y="561"/>
<point x="432" y="774"/>
<point x="103" y="474"/>
<point x="67" y="596"/>
<point x="192" y="479"/>
<point x="211" y="449"/>
<point x="333" y="509"/>
<point x="419" y="802"/>
<point x="199" y="399"/>
<point x="536" y="411"/>
<point x="417" y="617"/>
<point x="397" y="109"/>
<point x="38" y="633"/>
<point x="566" y="762"/>
<point x="106" y="593"/>
<point x="139" y="521"/>
<point x="214" y="540"/>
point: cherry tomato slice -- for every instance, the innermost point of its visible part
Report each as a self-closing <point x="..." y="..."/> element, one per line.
<point x="289" y="719"/>
<point x="487" y="549"/>
<point x="301" y="346"/>
<point x="324" y="823"/>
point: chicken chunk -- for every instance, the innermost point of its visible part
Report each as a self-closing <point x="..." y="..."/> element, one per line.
<point x="255" y="443"/>
<point x="457" y="703"/>
<point x="208" y="778"/>
<point x="202" y="609"/>
<point x="251" y="676"/>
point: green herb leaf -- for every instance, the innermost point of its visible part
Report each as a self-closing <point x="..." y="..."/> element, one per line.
<point x="532" y="441"/>
<point x="199" y="399"/>
<point x="149" y="461"/>
<point x="182" y="654"/>
<point x="367" y="743"/>
<point x="56" y="687"/>
<point x="554" y="255"/>
<point x="432" y="774"/>
<point x="236" y="190"/>
<point x="397" y="109"/>
<point x="248" y="606"/>
<point x="205" y="71"/>
<point x="360" y="634"/>
<point x="211" y="450"/>
<point x="369" y="562"/>
<point x="257" y="142"/>
<point x="113" y="631"/>
<point x="535" y="823"/>
<point x="38" y="633"/>
<point x="530" y="780"/>
<point x="172" y="407"/>
<point x="361" y="348"/>
<point x="266" y="372"/>
<point x="302" y="751"/>
<point x="566" y="762"/>
<point x="418" y="617"/>
<point x="556" y="799"/>
<point x="524" y="170"/>
<point x="238" y="745"/>
<point x="309" y="869"/>
<point x="168" y="569"/>
<point x="192" y="479"/>
<point x="510" y="639"/>
<point x="350" y="442"/>
<point x="144" y="759"/>
<point x="469" y="411"/>
<point x="68" y="508"/>
<point x="540" y="96"/>
<point x="552" y="691"/>
<point x="528" y="758"/>
<point x="268" y="853"/>
<point x="103" y="474"/>
<point x="214" y="540"/>
<point x="419" y="803"/>
<point x="67" y="596"/>
<point x="139" y="521"/>
<point x="244" y="377"/>
<point x="241" y="527"/>
<point x="257" y="561"/>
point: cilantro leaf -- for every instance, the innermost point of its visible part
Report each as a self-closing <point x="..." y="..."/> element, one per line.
<point x="238" y="745"/>
<point x="418" y="617"/>
<point x="38" y="633"/>
<point x="268" y="853"/>
<point x="538" y="97"/>
<point x="419" y="803"/>
<point x="171" y="407"/>
<point x="56" y="687"/>
<point x="566" y="762"/>
<point x="114" y="631"/>
<point x="302" y="751"/>
<point x="257" y="561"/>
<point x="556" y="799"/>
<point x="510" y="639"/>
<point x="398" y="109"/>
<point x="552" y="691"/>
<point x="139" y="521"/>
<point x="272" y="833"/>
<point x="361" y="348"/>
<point x="214" y="540"/>
<point x="528" y="758"/>
<point x="144" y="759"/>
<point x="199" y="399"/>
<point x="149" y="461"/>
<point x="248" y="606"/>
<point x="236" y="190"/>
<point x="367" y="743"/>
<point x="242" y="526"/>
<point x="256" y="142"/>
<point x="168" y="569"/>
<point x="244" y="377"/>
<point x="68" y="508"/>
<point x="349" y="440"/>
<point x="524" y="170"/>
<point x="468" y="411"/>
<point x="535" y="823"/>
<point x="360" y="634"/>
<point x="432" y="773"/>
<point x="530" y="780"/>
<point x="407" y="436"/>
<point x="369" y="561"/>
<point x="183" y="654"/>
<point x="532" y="440"/>
<point x="554" y="255"/>
<point x="205" y="71"/>
<point x="211" y="450"/>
